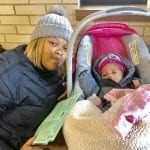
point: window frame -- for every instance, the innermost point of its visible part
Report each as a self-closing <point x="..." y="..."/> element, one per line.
<point x="110" y="2"/>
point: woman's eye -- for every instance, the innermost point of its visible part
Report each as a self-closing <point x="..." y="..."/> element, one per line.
<point x="53" y="44"/>
<point x="65" y="49"/>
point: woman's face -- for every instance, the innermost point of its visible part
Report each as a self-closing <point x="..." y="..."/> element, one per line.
<point x="54" y="53"/>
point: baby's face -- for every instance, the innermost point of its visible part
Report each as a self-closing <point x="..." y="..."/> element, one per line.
<point x="112" y="71"/>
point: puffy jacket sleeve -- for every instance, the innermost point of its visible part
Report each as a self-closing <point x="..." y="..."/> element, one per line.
<point x="6" y="99"/>
<point x="28" y="116"/>
<point x="88" y="84"/>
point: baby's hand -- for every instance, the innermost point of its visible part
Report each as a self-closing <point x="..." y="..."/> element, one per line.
<point x="136" y="83"/>
<point x="95" y="100"/>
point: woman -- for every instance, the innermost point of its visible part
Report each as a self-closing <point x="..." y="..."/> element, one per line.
<point x="29" y="80"/>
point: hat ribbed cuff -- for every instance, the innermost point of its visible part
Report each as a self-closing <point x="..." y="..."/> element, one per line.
<point x="51" y="31"/>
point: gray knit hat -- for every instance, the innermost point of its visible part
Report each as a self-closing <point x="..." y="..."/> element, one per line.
<point x="54" y="24"/>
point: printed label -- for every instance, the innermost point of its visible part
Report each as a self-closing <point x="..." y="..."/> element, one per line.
<point x="133" y="52"/>
<point x="87" y="54"/>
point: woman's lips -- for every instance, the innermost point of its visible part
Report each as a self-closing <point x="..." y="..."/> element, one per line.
<point x="57" y="62"/>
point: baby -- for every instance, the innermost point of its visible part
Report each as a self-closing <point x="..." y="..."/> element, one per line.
<point x="111" y="67"/>
<point x="110" y="71"/>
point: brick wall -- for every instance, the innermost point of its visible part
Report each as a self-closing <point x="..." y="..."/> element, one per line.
<point x="18" y="18"/>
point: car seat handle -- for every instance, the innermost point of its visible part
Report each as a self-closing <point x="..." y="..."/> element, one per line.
<point x="126" y="10"/>
<point x="129" y="10"/>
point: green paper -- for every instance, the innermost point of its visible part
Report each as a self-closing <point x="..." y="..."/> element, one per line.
<point x="50" y="127"/>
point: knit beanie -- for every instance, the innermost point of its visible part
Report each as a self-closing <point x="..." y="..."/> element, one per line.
<point x="111" y="58"/>
<point x="54" y="24"/>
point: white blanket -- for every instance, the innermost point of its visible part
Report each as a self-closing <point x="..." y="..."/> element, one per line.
<point x="86" y="129"/>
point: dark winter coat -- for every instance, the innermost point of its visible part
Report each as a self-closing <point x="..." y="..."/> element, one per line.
<point x="27" y="95"/>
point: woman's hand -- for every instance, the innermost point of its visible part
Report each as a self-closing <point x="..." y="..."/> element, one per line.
<point x="28" y="145"/>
